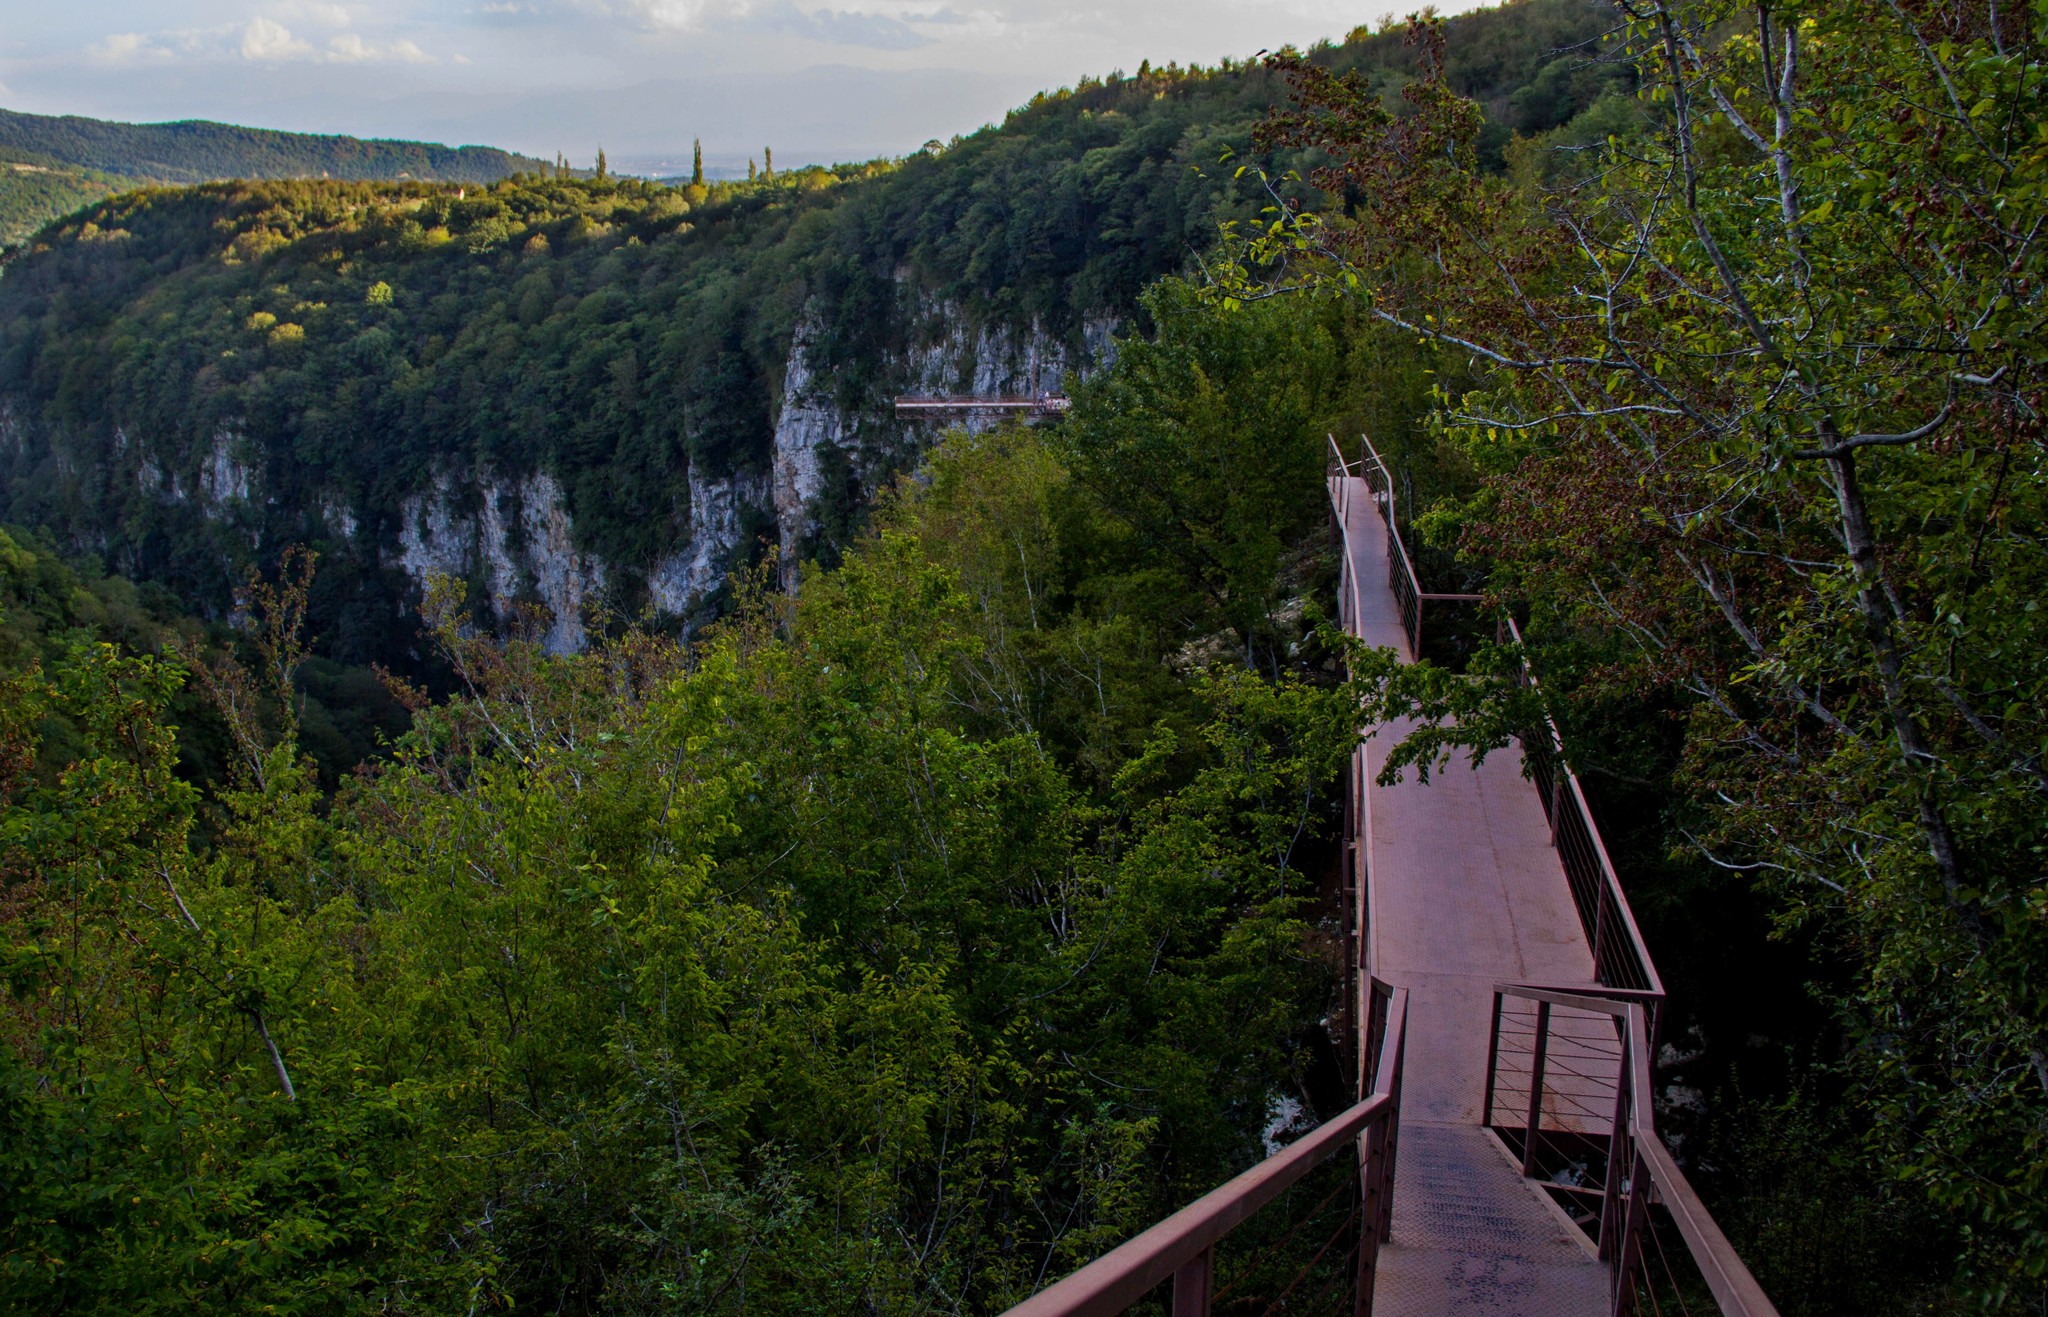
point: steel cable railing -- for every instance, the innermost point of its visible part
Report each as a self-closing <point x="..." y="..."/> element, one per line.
<point x="1617" y="1177"/>
<point x="1620" y="960"/>
<point x="1409" y="596"/>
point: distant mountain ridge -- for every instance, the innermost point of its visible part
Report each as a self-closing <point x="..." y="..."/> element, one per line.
<point x="199" y="151"/>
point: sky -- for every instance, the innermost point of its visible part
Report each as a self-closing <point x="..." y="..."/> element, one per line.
<point x="817" y="80"/>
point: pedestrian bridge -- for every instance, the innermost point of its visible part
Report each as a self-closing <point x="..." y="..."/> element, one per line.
<point x="1502" y="1157"/>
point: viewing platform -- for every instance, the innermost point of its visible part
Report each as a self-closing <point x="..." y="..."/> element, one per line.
<point x="942" y="408"/>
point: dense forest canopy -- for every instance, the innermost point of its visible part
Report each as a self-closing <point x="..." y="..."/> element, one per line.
<point x="902" y="942"/>
<point x="36" y="188"/>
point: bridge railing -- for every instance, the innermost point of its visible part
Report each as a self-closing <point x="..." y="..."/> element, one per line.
<point x="1409" y="595"/>
<point x="1182" y="1248"/>
<point x="1620" y="960"/>
<point x="1350" y="594"/>
<point x="1568" y="1084"/>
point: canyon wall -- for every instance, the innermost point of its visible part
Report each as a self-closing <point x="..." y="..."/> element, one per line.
<point x="512" y="536"/>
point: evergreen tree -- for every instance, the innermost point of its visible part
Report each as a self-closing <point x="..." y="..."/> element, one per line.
<point x="601" y="174"/>
<point x="750" y="169"/>
<point x="768" y="162"/>
<point x="697" y="160"/>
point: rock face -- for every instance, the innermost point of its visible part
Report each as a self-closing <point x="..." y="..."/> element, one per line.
<point x="512" y="536"/>
<point x="945" y="357"/>
<point x="681" y="580"/>
<point x="517" y="539"/>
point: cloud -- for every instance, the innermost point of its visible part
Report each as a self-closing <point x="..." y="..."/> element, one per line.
<point x="125" y="48"/>
<point x="827" y="25"/>
<point x="678" y="15"/>
<point x="266" y="39"/>
<point x="848" y="28"/>
<point x="348" y="48"/>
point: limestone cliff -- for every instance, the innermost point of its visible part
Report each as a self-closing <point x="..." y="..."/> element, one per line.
<point x="513" y="535"/>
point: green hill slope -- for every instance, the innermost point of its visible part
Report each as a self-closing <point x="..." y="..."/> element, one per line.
<point x="195" y="151"/>
<point x="51" y="166"/>
<point x="36" y="188"/>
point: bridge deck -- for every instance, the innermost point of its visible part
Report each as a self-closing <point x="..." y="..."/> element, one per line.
<point x="1464" y="891"/>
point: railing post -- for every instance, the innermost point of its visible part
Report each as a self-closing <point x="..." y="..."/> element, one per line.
<point x="1618" y="1149"/>
<point x="1492" y="1059"/>
<point x="1536" y="1088"/>
<point x="1634" y="1219"/>
<point x="1371" y="1188"/>
<point x="1192" y="1283"/>
<point x="1390" y="1157"/>
<point x="1600" y="929"/>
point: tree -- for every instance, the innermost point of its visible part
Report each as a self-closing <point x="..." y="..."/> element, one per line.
<point x="697" y="161"/>
<point x="1206" y="439"/>
<point x="1764" y="407"/>
<point x="601" y="175"/>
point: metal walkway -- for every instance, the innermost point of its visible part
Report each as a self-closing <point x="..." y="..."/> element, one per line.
<point x="1465" y="891"/>
<point x="1503" y="1008"/>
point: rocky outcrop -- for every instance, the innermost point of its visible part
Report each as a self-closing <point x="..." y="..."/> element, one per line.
<point x="680" y="581"/>
<point x="223" y="475"/>
<point x="517" y="539"/>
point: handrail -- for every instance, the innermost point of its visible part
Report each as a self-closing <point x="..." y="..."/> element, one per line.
<point x="1179" y="1247"/>
<point x="1640" y="1169"/>
<point x="1350" y="606"/>
<point x="1620" y="957"/>
<point x="1731" y="1283"/>
<point x="1401" y="578"/>
<point x="1341" y="508"/>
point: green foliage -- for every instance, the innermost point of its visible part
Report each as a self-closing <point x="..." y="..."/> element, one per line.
<point x="1206" y="440"/>
<point x="1762" y="438"/>
<point x="49" y="607"/>
<point x="783" y="973"/>
<point x="36" y="188"/>
<point x="52" y="167"/>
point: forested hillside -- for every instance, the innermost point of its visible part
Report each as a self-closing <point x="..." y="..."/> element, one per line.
<point x="36" y="188"/>
<point x="892" y="948"/>
<point x="195" y="151"/>
<point x="51" y="166"/>
<point x="572" y="390"/>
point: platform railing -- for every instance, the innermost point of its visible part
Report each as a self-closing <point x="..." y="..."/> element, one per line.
<point x="1182" y="1248"/>
<point x="1350" y="596"/>
<point x="1409" y="595"/>
<point x="1568" y="1086"/>
<point x="1343" y="472"/>
<point x="1620" y="960"/>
